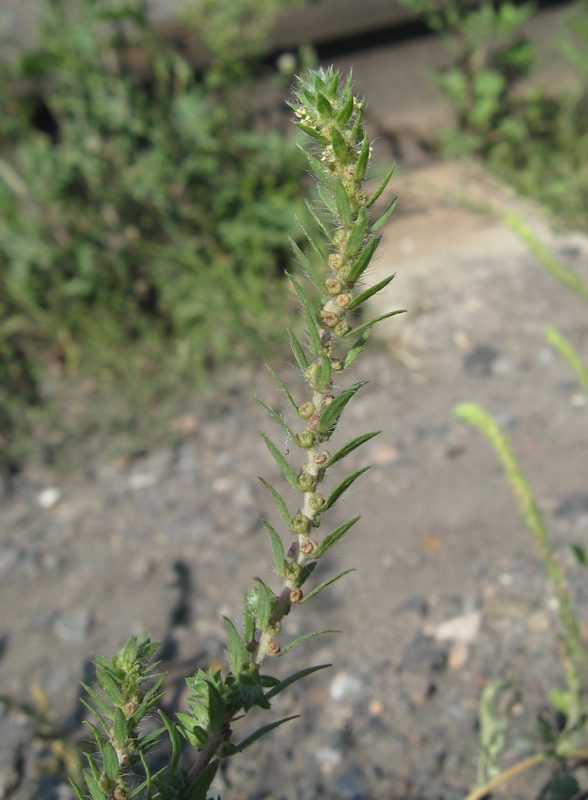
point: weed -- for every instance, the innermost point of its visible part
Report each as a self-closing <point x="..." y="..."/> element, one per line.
<point x="331" y="117"/>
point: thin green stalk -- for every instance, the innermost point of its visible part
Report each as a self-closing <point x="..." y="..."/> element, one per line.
<point x="480" y="419"/>
<point x="551" y="264"/>
<point x="569" y="353"/>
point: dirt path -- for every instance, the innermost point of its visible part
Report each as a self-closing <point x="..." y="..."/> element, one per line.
<point x="447" y="591"/>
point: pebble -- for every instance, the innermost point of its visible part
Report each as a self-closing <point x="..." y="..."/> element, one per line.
<point x="74" y="626"/>
<point x="49" y="497"/>
<point x="343" y="686"/>
<point x="464" y="628"/>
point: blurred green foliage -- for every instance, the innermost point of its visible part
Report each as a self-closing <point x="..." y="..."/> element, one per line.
<point x="535" y="140"/>
<point x="143" y="221"/>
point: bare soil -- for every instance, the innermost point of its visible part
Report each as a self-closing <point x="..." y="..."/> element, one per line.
<point x="448" y="592"/>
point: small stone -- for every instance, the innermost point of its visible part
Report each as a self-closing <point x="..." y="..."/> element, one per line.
<point x="74" y="626"/>
<point x="464" y="628"/>
<point x="49" y="497"/>
<point x="344" y="686"/>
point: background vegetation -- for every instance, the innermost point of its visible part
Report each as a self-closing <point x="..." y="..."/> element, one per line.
<point x="143" y="225"/>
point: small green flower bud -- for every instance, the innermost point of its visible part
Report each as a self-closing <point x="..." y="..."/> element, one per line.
<point x="336" y="364"/>
<point x="333" y="286"/>
<point x="275" y="629"/>
<point x="292" y="572"/>
<point x="305" y="439"/>
<point x="343" y="299"/>
<point x="306" y="482"/>
<point x="316" y="502"/>
<point x="300" y="524"/>
<point x="361" y="198"/>
<point x="336" y="261"/>
<point x="342" y="328"/>
<point x="306" y="410"/>
<point x="322" y="457"/>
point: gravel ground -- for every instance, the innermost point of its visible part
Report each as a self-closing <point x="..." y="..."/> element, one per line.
<point x="448" y="592"/>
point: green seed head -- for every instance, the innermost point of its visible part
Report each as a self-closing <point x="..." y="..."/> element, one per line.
<point x="316" y="502"/>
<point x="305" y="439"/>
<point x="342" y="328"/>
<point x="333" y="286"/>
<point x="300" y="524"/>
<point x="306" y="482"/>
<point x="306" y="410"/>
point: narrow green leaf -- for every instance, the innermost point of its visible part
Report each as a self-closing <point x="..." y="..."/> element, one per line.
<point x="97" y="735"/>
<point x="323" y="376"/>
<point x="357" y="234"/>
<point x="328" y="200"/>
<point x="351" y="446"/>
<point x="280" y="502"/>
<point x="120" y="728"/>
<point x="332" y="412"/>
<point x="343" y="486"/>
<point x="310" y="316"/>
<point x="174" y="739"/>
<point x="381" y="188"/>
<point x="259" y="733"/>
<point x="323" y="106"/>
<point x="106" y="710"/>
<point x="357" y="132"/>
<point x="343" y="204"/>
<point x="285" y="468"/>
<point x="356" y="348"/>
<point x="362" y="262"/>
<point x="109" y="687"/>
<point x="332" y="538"/>
<point x="265" y="606"/>
<point x="238" y="655"/>
<point x="304" y="638"/>
<point x="93" y="765"/>
<point x="361" y="298"/>
<point x="147" y="784"/>
<point x="320" y="171"/>
<point x="300" y="357"/>
<point x="346" y="110"/>
<point x="307" y="267"/>
<point x="362" y="159"/>
<point x="77" y="790"/>
<point x="198" y="789"/>
<point x="277" y="418"/>
<point x="371" y="323"/>
<point x="216" y="706"/>
<point x="580" y="554"/>
<point x="110" y="761"/>
<point x="311" y="239"/>
<point x="323" y="585"/>
<point x="277" y="547"/>
<point x="339" y="146"/>
<point x="305" y="573"/>
<point x="282" y="386"/>
<point x="93" y="786"/>
<point x="379" y="223"/>
<point x="320" y="223"/>
<point x="279" y="686"/>
<point x="334" y="84"/>
<point x="311" y="132"/>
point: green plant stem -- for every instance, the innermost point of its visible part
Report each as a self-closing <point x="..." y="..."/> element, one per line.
<point x="551" y="264"/>
<point x="511" y="772"/>
<point x="480" y="419"/>
<point x="570" y="355"/>
<point x="517" y="769"/>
